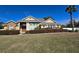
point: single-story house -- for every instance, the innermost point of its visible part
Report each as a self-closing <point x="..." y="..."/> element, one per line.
<point x="10" y="25"/>
<point x="30" y="23"/>
<point x="49" y="23"/>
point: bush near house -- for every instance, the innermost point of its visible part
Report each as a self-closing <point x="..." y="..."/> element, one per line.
<point x="1" y="27"/>
<point x="15" y="32"/>
<point x="47" y="31"/>
<point x="9" y="32"/>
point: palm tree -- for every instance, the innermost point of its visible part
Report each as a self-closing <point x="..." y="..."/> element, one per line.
<point x="70" y="9"/>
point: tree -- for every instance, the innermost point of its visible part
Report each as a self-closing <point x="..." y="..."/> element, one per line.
<point x="63" y="25"/>
<point x="76" y="24"/>
<point x="69" y="24"/>
<point x="1" y="27"/>
<point x="70" y="9"/>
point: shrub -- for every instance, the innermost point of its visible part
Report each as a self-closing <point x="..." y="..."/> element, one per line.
<point x="46" y="31"/>
<point x="9" y="32"/>
<point x="76" y="30"/>
<point x="1" y="27"/>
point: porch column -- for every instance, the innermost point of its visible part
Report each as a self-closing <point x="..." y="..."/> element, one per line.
<point x="19" y="26"/>
<point x="27" y="26"/>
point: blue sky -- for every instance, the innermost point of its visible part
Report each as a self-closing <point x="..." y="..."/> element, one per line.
<point x="17" y="12"/>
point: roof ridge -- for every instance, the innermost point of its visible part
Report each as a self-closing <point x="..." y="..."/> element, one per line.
<point x="11" y="21"/>
<point x="29" y="16"/>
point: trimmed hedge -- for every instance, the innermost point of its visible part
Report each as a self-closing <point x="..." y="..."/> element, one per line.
<point x="14" y="32"/>
<point x="46" y="31"/>
<point x="9" y="32"/>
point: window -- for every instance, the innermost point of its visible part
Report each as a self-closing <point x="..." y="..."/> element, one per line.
<point x="11" y="27"/>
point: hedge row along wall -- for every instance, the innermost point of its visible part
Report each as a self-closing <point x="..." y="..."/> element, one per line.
<point x="14" y="32"/>
<point x="9" y="32"/>
<point x="47" y="31"/>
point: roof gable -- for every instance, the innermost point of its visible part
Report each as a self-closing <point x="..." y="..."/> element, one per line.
<point x="30" y="19"/>
<point x="49" y="20"/>
<point x="11" y="21"/>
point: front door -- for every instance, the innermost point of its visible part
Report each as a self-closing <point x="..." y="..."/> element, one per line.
<point x="23" y="26"/>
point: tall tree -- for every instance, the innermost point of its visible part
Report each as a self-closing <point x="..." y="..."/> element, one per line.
<point x="1" y="23"/>
<point x="70" y="9"/>
<point x="77" y="24"/>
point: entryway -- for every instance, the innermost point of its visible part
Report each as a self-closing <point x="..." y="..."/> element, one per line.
<point x="22" y="27"/>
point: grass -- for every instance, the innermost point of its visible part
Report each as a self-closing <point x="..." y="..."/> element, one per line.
<point x="42" y="43"/>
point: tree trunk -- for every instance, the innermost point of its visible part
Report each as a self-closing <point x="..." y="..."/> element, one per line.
<point x="72" y="23"/>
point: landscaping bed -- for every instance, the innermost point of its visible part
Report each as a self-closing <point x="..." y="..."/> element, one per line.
<point x="47" y="31"/>
<point x="9" y="32"/>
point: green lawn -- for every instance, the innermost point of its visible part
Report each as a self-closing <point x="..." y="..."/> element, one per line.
<point x="45" y="42"/>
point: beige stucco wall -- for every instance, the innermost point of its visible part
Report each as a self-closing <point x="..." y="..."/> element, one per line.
<point x="17" y="28"/>
<point x="6" y="26"/>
